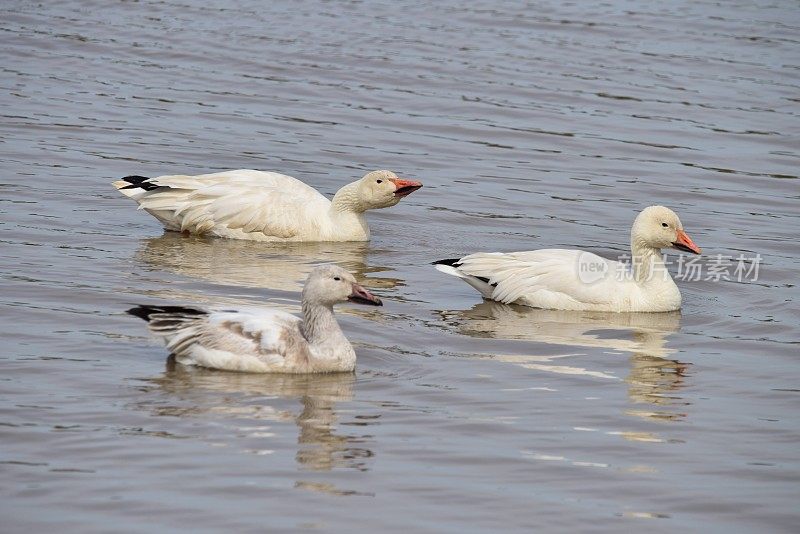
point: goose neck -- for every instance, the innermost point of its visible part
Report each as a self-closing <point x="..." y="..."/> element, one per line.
<point x="347" y="200"/>
<point x="647" y="262"/>
<point x="319" y="323"/>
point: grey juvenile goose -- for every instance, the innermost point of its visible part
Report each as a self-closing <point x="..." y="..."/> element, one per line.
<point x="264" y="340"/>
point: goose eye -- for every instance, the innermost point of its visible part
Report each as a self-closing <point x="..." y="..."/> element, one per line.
<point x="337" y="278"/>
<point x="665" y="225"/>
<point x="380" y="181"/>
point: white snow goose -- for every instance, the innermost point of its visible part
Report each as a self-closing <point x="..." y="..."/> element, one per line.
<point x="263" y="340"/>
<point x="264" y="206"/>
<point x="560" y="279"/>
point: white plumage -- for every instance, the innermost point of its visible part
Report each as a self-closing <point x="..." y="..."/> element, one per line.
<point x="575" y="280"/>
<point x="262" y="340"/>
<point x="264" y="206"/>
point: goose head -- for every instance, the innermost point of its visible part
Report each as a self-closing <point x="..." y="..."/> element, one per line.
<point x="659" y="227"/>
<point x="383" y="189"/>
<point x="328" y="285"/>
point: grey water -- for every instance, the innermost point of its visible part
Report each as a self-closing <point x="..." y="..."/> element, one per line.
<point x="532" y="125"/>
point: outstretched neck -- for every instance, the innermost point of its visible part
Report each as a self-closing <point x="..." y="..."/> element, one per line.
<point x="319" y="324"/>
<point x="347" y="214"/>
<point x="648" y="263"/>
<point x="347" y="200"/>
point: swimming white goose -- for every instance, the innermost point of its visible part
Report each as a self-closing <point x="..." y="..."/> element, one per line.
<point x="561" y="279"/>
<point x="264" y="206"/>
<point x="262" y="340"/>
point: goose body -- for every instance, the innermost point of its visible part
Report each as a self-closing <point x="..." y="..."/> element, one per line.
<point x="560" y="279"/>
<point x="264" y="340"/>
<point x="264" y="206"/>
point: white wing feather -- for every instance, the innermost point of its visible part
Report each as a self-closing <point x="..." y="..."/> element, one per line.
<point x="234" y="202"/>
<point x="247" y="340"/>
<point x="546" y="278"/>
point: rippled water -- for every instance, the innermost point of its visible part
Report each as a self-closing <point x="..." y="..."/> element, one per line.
<point x="535" y="125"/>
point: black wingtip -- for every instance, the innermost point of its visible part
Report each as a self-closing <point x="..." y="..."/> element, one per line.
<point x="452" y="262"/>
<point x="456" y="262"/>
<point x="135" y="179"/>
<point x="140" y="182"/>
<point x="144" y="311"/>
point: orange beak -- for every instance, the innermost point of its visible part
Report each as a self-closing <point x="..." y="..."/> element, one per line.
<point x="685" y="243"/>
<point x="403" y="188"/>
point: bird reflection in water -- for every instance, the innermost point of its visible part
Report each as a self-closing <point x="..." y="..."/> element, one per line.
<point x="279" y="266"/>
<point x="250" y="397"/>
<point x="654" y="378"/>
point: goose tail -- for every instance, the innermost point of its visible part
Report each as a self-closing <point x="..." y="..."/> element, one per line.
<point x="451" y="266"/>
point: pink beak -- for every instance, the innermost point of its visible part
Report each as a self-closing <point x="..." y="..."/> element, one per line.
<point x="685" y="243"/>
<point x="403" y="188"/>
<point x="362" y="296"/>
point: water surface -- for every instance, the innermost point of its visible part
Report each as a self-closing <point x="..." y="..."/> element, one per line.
<point x="531" y="125"/>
